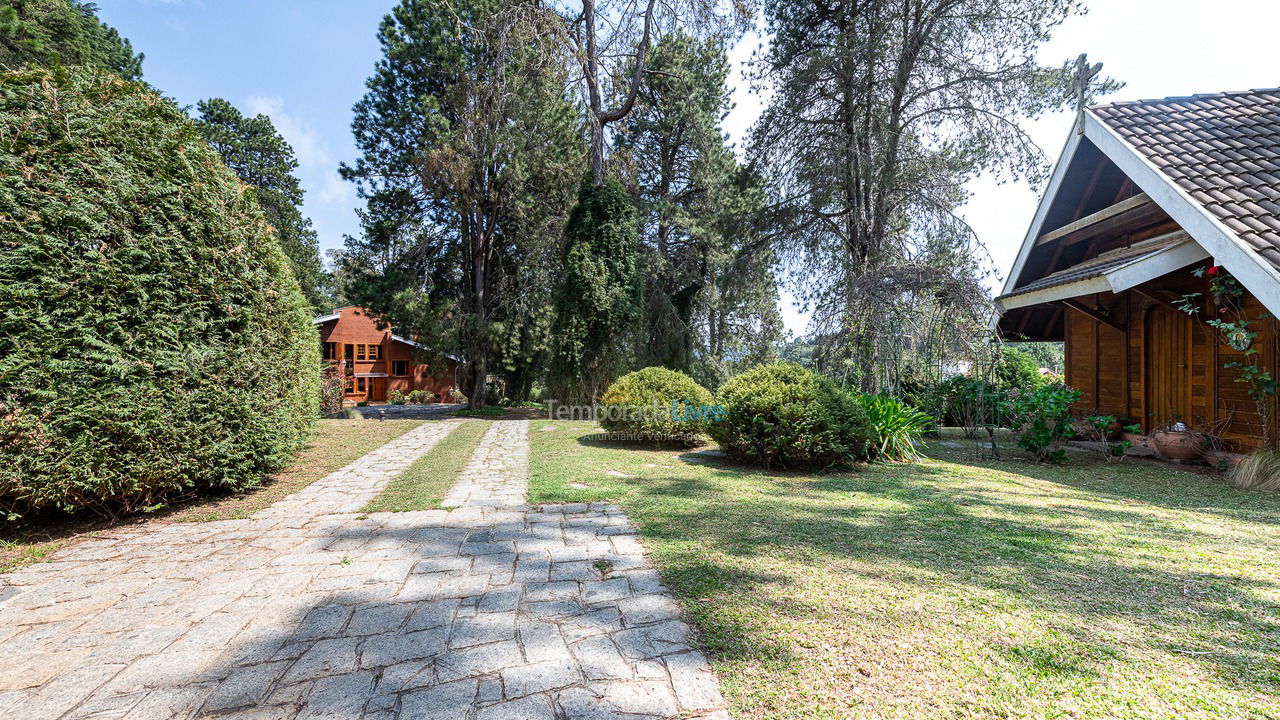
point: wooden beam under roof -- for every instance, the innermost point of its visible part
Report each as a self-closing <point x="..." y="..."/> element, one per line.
<point x="1104" y="318"/>
<point x="1132" y="212"/>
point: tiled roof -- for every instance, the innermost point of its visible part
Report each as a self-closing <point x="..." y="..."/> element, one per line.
<point x="1095" y="267"/>
<point x="1223" y="150"/>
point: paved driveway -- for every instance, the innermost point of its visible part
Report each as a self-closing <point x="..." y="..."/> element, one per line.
<point x="491" y="609"/>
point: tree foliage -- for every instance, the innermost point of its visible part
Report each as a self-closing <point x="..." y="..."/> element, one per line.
<point x="711" y="299"/>
<point x="153" y="341"/>
<point x="470" y="148"/>
<point x="598" y="301"/>
<point x="260" y="156"/>
<point x="68" y="31"/>
<point x="610" y="42"/>
<point x="881" y="111"/>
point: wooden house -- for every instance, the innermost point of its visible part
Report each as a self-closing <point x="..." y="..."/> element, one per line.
<point x="1152" y="206"/>
<point x="374" y="361"/>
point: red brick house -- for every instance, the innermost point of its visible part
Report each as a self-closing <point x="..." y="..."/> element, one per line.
<point x="375" y="360"/>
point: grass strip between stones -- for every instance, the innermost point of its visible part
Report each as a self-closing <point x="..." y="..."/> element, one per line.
<point x="423" y="485"/>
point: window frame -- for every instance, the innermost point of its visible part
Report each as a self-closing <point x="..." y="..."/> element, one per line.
<point x="396" y="366"/>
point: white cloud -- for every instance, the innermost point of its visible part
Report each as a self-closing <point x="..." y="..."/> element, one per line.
<point x="335" y="190"/>
<point x="307" y="143"/>
<point x="329" y="199"/>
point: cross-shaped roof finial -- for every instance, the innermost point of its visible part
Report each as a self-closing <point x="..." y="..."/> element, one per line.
<point x="1085" y="73"/>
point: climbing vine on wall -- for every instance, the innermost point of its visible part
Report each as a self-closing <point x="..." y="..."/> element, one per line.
<point x="1233" y="324"/>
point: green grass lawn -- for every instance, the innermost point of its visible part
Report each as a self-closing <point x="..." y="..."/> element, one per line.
<point x="951" y="588"/>
<point x="424" y="483"/>
<point x="337" y="443"/>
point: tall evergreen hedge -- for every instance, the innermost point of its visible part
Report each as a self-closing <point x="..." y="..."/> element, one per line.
<point x="153" y="341"/>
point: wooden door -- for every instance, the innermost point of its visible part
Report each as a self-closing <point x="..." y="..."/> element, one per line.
<point x="1167" y="367"/>
<point x="377" y="389"/>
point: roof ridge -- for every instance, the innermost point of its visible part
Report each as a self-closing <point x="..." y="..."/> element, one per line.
<point x="1187" y="98"/>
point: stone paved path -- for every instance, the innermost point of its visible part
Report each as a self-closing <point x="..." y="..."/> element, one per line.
<point x="498" y="473"/>
<point x="310" y="610"/>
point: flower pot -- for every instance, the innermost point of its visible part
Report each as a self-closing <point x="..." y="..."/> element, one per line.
<point x="1175" y="445"/>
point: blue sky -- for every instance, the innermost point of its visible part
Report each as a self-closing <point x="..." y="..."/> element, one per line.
<point x="304" y="62"/>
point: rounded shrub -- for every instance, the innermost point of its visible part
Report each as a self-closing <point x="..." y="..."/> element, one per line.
<point x="154" y="342"/>
<point x="657" y="403"/>
<point x="785" y="416"/>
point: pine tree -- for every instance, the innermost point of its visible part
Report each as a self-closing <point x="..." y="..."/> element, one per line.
<point x="469" y="148"/>
<point x="40" y="31"/>
<point x="710" y="290"/>
<point x="257" y="153"/>
<point x="881" y="111"/>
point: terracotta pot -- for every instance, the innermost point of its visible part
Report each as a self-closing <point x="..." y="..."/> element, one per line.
<point x="1185" y="445"/>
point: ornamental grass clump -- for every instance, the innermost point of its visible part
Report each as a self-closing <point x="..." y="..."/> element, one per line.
<point x="896" y="427"/>
<point x="658" y="405"/>
<point x="784" y="416"/>
<point x="1259" y="471"/>
<point x="154" y="342"/>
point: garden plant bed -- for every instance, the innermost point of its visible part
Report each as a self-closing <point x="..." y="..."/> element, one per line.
<point x="336" y="444"/>
<point x="951" y="587"/>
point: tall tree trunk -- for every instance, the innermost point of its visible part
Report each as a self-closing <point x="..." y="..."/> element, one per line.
<point x="598" y="115"/>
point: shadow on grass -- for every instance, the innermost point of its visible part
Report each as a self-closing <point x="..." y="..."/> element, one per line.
<point x="913" y="527"/>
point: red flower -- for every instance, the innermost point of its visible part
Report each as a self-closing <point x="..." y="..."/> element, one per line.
<point x="1213" y="271"/>
<point x="1222" y="311"/>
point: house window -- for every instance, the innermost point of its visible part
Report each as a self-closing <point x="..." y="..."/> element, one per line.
<point x="359" y="385"/>
<point x="400" y="367"/>
<point x="349" y="351"/>
<point x="351" y="385"/>
<point x="360" y="351"/>
<point x="330" y="351"/>
<point x="375" y="352"/>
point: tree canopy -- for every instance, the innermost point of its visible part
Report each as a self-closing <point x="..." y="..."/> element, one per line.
<point x="469" y="152"/>
<point x="40" y="31"/>
<point x="261" y="157"/>
<point x="881" y="111"/>
<point x="710" y="299"/>
<point x="878" y="113"/>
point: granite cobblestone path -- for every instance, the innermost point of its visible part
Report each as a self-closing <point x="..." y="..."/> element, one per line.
<point x="492" y="610"/>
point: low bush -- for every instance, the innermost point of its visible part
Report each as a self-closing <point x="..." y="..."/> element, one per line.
<point x="396" y="397"/>
<point x="153" y="339"/>
<point x="968" y="402"/>
<point x="785" y="416"/>
<point x="332" y="393"/>
<point x="420" y="397"/>
<point x="659" y="404"/>
<point x="1105" y="430"/>
<point x="491" y="396"/>
<point x="1042" y="420"/>
<point x="896" y="427"/>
